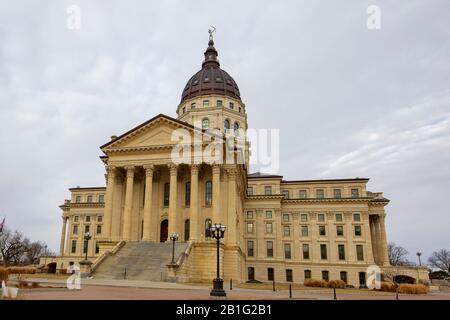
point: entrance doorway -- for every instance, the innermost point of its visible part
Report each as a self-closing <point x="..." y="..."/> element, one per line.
<point x="163" y="231"/>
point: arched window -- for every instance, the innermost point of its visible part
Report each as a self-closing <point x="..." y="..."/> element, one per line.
<point x="236" y="128"/>
<point x="187" y="199"/>
<point x="208" y="225"/>
<point x="166" y="194"/>
<point x="205" y="124"/>
<point x="208" y="193"/>
<point x="226" y="125"/>
<point x="187" y="224"/>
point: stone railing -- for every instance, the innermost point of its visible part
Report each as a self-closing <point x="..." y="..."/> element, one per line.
<point x="176" y="273"/>
<point x="107" y="253"/>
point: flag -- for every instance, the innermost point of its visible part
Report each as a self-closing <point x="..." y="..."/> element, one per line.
<point x="2" y="225"/>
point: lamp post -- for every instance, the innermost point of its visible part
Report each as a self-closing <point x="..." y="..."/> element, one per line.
<point x="45" y="256"/>
<point x="174" y="238"/>
<point x="217" y="232"/>
<point x="87" y="237"/>
<point x="419" y="254"/>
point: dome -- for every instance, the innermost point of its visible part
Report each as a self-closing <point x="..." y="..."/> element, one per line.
<point x="211" y="79"/>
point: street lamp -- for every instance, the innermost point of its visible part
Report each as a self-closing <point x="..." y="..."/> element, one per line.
<point x="45" y="256"/>
<point x="174" y="238"/>
<point x="87" y="237"/>
<point x="419" y="254"/>
<point x="217" y="232"/>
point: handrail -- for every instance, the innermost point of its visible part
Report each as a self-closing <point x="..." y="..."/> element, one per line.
<point x="102" y="257"/>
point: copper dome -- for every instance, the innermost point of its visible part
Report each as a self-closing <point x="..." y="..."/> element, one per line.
<point x="211" y="79"/>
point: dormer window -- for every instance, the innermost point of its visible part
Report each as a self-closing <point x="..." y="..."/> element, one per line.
<point x="219" y="103"/>
<point x="219" y="79"/>
<point x="193" y="105"/>
<point x="184" y="109"/>
<point x="206" y="78"/>
<point x="231" y="105"/>
<point x="205" y="103"/>
<point x="229" y="82"/>
<point x="195" y="82"/>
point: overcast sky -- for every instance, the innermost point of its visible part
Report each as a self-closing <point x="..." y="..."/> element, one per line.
<point x="349" y="101"/>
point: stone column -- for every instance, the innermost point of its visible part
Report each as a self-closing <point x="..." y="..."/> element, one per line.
<point x="173" y="200"/>
<point x="373" y="237"/>
<point x="107" y="215"/>
<point x="193" y="210"/>
<point x="231" y="228"/>
<point x="128" y="203"/>
<point x="148" y="235"/>
<point x="367" y="236"/>
<point x="63" y="236"/>
<point x="216" y="214"/>
<point x="384" y="245"/>
<point x="378" y="237"/>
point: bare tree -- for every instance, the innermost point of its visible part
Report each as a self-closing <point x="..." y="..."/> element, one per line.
<point x="34" y="251"/>
<point x="440" y="260"/>
<point x="12" y="246"/>
<point x="397" y="255"/>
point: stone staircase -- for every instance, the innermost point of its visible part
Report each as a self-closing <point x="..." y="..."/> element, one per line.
<point x="142" y="261"/>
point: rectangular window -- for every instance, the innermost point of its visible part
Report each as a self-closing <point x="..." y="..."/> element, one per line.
<point x="323" y="252"/>
<point x="341" y="251"/>
<point x="269" y="228"/>
<point x="285" y="217"/>
<point x="250" y="191"/>
<point x="322" y="231"/>
<point x="358" y="231"/>
<point x="359" y="252"/>
<point x="193" y="105"/>
<point x="302" y="194"/>
<point x="289" y="277"/>
<point x="88" y="218"/>
<point x="356" y="217"/>
<point x="338" y="217"/>
<point x="319" y="194"/>
<point x="304" y="217"/>
<point x="208" y="193"/>
<point x="305" y="249"/>
<point x="78" y="199"/>
<point x="75" y="229"/>
<point x="307" y="274"/>
<point x="337" y="193"/>
<point x="343" y="275"/>
<point x="250" y="248"/>
<point x="231" y="105"/>
<point x="304" y="231"/>
<point x="249" y="214"/>
<point x="99" y="229"/>
<point x="339" y="231"/>
<point x="268" y="190"/>
<point x="362" y="280"/>
<point x="287" y="250"/>
<point x="285" y="194"/>
<point x="286" y="231"/>
<point x="219" y="103"/>
<point x="205" y="103"/>
<point x="97" y="248"/>
<point x="325" y="275"/>
<point x="269" y="249"/>
<point x="74" y="246"/>
<point x="355" y="193"/>
<point x="86" y="229"/>
<point x="99" y="218"/>
<point x="249" y="227"/>
<point x="101" y="198"/>
<point x="89" y="199"/>
<point x="270" y="274"/>
<point x="269" y="214"/>
<point x="321" y="217"/>
<point x="75" y="219"/>
<point x="85" y="247"/>
<point x="187" y="194"/>
<point x="166" y="194"/>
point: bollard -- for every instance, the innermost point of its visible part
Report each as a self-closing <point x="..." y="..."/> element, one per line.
<point x="125" y="274"/>
<point x="334" y="293"/>
<point x="290" y="291"/>
<point x="273" y="285"/>
<point x="231" y="284"/>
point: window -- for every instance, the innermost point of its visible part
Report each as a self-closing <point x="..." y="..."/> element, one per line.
<point x="304" y="217"/>
<point x="99" y="218"/>
<point x="86" y="229"/>
<point x="319" y="194"/>
<point x="285" y="217"/>
<point x="355" y="193"/>
<point x="250" y="191"/>
<point x="337" y="193"/>
<point x="205" y="103"/>
<point x="226" y="125"/>
<point x="305" y="250"/>
<point x="99" y="229"/>
<point x="251" y="273"/>
<point x="166" y="194"/>
<point x="97" y="248"/>
<point x="88" y="218"/>
<point x="78" y="199"/>
<point x="75" y="229"/>
<point x="240" y="109"/>
<point x="75" y="219"/>
<point x="205" y="124"/>
<point x="268" y="190"/>
<point x="250" y="248"/>
<point x="302" y="194"/>
<point x="339" y="231"/>
<point x="343" y="276"/>
<point x="356" y="217"/>
<point x="358" y="231"/>
<point x="249" y="227"/>
<point x="339" y="217"/>
<point x="286" y="231"/>
<point x="359" y="252"/>
<point x="268" y="214"/>
<point x="285" y="194"/>
<point x="362" y="279"/>
<point x="101" y="198"/>
<point x="249" y="214"/>
<point x="270" y="274"/>
<point x="269" y="249"/>
<point x="236" y="128"/>
<point x="187" y="229"/>
<point x="322" y="231"/>
<point x="193" y="105"/>
<point x="219" y="103"/>
<point x="323" y="252"/>
<point x="231" y="105"/>
<point x="208" y="225"/>
<point x="289" y="277"/>
<point x="325" y="275"/>
<point x="341" y="251"/>
<point x="184" y="109"/>
<point x="304" y="231"/>
<point x="187" y="194"/>
<point x="74" y="246"/>
<point x="89" y="199"/>
<point x="208" y="193"/>
<point x="287" y="250"/>
<point x="307" y="274"/>
<point x="85" y="246"/>
<point x="321" y="217"/>
<point x="269" y="228"/>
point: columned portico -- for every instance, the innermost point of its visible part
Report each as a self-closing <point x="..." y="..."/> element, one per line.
<point x="383" y="241"/>
<point x="173" y="171"/>
<point x="149" y="233"/>
<point x="128" y="203"/>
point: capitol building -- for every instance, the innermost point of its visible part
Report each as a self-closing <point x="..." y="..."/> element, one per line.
<point x="279" y="230"/>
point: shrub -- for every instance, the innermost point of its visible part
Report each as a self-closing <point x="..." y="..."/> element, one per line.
<point x="387" y="286"/>
<point x="4" y="274"/>
<point x="336" y="284"/>
<point x="21" y="270"/>
<point x="413" y="289"/>
<point x="315" y="283"/>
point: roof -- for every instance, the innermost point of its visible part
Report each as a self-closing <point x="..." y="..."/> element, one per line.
<point x="87" y="188"/>
<point x="262" y="175"/>
<point x="327" y="180"/>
